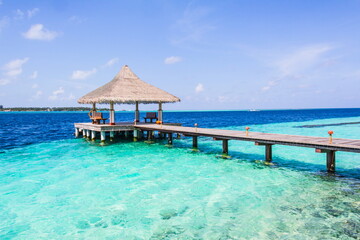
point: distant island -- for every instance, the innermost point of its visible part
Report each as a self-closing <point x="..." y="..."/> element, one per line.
<point x="48" y="109"/>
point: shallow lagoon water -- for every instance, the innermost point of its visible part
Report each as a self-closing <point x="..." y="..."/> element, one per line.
<point x="74" y="189"/>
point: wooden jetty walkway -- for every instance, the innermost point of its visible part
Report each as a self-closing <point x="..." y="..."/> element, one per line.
<point x="320" y="144"/>
<point x="127" y="88"/>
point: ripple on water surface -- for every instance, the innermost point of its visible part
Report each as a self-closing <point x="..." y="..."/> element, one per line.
<point x="71" y="189"/>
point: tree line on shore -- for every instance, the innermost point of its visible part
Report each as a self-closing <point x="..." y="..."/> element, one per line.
<point x="48" y="109"/>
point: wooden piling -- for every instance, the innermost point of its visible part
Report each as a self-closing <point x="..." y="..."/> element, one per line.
<point x="225" y="143"/>
<point x="330" y="161"/>
<point x="330" y="158"/>
<point x="103" y="136"/>
<point x="268" y="152"/>
<point x="93" y="135"/>
<point x="76" y="132"/>
<point x="170" y="138"/>
<point x="149" y="135"/>
<point x="136" y="135"/>
<point x="195" y="142"/>
<point x="112" y="135"/>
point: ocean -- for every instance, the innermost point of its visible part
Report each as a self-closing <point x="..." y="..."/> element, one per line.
<point x="53" y="186"/>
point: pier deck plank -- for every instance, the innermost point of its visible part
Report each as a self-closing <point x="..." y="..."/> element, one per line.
<point x="120" y="126"/>
<point x="338" y="144"/>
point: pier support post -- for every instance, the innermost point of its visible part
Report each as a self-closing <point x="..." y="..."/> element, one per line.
<point x="268" y="150"/>
<point x="330" y="159"/>
<point x="76" y="132"/>
<point x="170" y="138"/>
<point x="126" y="134"/>
<point x="195" y="142"/>
<point x="225" y="144"/>
<point x="93" y="135"/>
<point x="103" y="136"/>
<point x="149" y="135"/>
<point x="136" y="135"/>
<point x="112" y="134"/>
<point x="88" y="133"/>
<point x="84" y="133"/>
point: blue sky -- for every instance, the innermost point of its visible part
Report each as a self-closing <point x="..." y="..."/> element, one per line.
<point x="228" y="54"/>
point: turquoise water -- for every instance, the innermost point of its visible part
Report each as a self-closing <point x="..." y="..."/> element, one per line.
<point x="74" y="189"/>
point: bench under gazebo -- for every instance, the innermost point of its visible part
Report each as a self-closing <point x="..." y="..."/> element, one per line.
<point x="125" y="88"/>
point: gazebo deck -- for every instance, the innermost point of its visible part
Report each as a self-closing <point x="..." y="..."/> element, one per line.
<point x="118" y="127"/>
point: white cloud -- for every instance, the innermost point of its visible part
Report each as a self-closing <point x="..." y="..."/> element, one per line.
<point x="222" y="99"/>
<point x="59" y="94"/>
<point x="199" y="88"/>
<point x="4" y="82"/>
<point x="302" y="59"/>
<point x="38" y="32"/>
<point x="14" y="72"/>
<point x="32" y="12"/>
<point x="19" y="14"/>
<point x="71" y="96"/>
<point x="299" y="65"/>
<point x="37" y="94"/>
<point x="34" y="75"/>
<point x="269" y="85"/>
<point x="172" y="60"/>
<point x="4" y="21"/>
<point x="77" y="19"/>
<point x="59" y="91"/>
<point x="55" y="95"/>
<point x="35" y="85"/>
<point x="14" y="68"/>
<point x="111" y="62"/>
<point x="79" y="74"/>
<point x="193" y="24"/>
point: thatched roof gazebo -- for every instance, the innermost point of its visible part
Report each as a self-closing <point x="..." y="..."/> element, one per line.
<point x="127" y="88"/>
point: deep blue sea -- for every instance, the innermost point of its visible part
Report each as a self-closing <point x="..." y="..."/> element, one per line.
<point x="25" y="128"/>
<point x="53" y="186"/>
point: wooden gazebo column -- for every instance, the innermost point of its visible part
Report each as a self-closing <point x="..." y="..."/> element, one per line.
<point x="160" y="112"/>
<point x="137" y="113"/>
<point x="112" y="114"/>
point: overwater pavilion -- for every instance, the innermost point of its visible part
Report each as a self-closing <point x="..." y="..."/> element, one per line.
<point x="125" y="88"/>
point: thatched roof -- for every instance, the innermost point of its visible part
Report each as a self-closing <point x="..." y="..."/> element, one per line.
<point x="128" y="88"/>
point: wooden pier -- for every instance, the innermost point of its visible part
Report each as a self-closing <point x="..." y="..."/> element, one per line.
<point x="127" y="88"/>
<point x="320" y="144"/>
<point x="91" y="131"/>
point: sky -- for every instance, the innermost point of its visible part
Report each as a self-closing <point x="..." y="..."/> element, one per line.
<point x="214" y="55"/>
